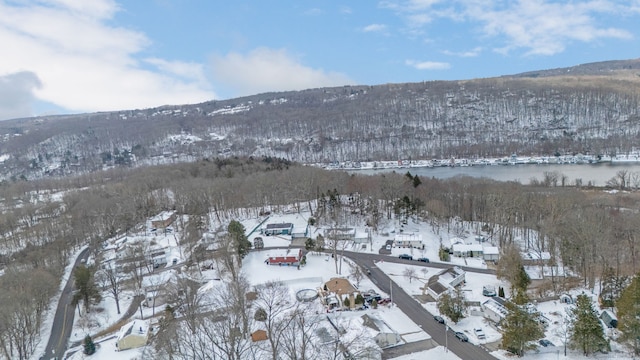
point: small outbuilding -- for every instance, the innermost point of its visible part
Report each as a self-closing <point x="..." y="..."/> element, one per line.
<point x="609" y="319"/>
<point x="259" y="335"/>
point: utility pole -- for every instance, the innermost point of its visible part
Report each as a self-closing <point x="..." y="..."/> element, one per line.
<point x="391" y="289"/>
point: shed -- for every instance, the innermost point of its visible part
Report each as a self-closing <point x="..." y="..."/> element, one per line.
<point x="609" y="319"/>
<point x="491" y="253"/>
<point x="133" y="335"/>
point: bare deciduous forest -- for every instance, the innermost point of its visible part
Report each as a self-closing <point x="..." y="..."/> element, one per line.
<point x="593" y="233"/>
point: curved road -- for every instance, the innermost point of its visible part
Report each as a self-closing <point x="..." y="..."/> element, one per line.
<point x="414" y="310"/>
<point x="63" y="320"/>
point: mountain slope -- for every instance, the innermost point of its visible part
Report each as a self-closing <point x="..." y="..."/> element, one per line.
<point x="590" y="108"/>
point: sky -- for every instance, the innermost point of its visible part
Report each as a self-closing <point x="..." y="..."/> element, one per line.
<point x="75" y="56"/>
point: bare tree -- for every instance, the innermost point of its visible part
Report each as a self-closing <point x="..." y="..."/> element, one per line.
<point x="409" y="273"/>
<point x="109" y="278"/>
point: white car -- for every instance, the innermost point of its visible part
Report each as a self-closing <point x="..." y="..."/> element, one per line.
<point x="388" y="247"/>
<point x="479" y="334"/>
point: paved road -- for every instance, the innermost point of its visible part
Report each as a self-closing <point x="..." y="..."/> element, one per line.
<point x="414" y="310"/>
<point x="63" y="320"/>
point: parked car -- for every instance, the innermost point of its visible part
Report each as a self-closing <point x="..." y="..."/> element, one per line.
<point x="545" y="342"/>
<point x="406" y="257"/>
<point x="423" y="259"/>
<point x="388" y="247"/>
<point x="479" y="334"/>
<point x="439" y="319"/>
<point x="462" y="336"/>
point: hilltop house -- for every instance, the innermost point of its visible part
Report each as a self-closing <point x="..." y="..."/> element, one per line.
<point x="163" y="219"/>
<point x="288" y="257"/>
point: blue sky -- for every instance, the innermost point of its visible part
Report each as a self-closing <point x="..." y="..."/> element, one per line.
<point x="70" y="56"/>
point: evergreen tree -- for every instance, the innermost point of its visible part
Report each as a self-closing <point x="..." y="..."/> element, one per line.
<point x="309" y="244"/>
<point x="612" y="287"/>
<point x="240" y="240"/>
<point x="443" y="254"/>
<point x="519" y="329"/>
<point x="587" y="334"/>
<point x="629" y="315"/>
<point x="89" y="346"/>
<point x="453" y="305"/>
<point x="521" y="283"/>
<point x="85" y="287"/>
<point x="501" y="292"/>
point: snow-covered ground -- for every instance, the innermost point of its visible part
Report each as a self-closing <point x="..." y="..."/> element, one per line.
<point x="320" y="268"/>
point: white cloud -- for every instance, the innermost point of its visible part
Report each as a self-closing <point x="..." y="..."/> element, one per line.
<point x="375" y="28"/>
<point x="470" y="53"/>
<point x="85" y="64"/>
<point x="265" y="70"/>
<point x="537" y="27"/>
<point x="16" y="94"/>
<point x="428" y="65"/>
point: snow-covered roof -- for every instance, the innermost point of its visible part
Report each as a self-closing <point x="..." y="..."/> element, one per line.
<point x="491" y="250"/>
<point x="134" y="328"/>
<point x="465" y="247"/>
<point x="408" y="237"/>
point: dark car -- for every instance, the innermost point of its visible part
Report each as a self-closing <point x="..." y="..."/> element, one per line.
<point x="462" y="336"/>
<point x="439" y="319"/>
<point x="545" y="342"/>
<point x="423" y="260"/>
<point x="406" y="257"/>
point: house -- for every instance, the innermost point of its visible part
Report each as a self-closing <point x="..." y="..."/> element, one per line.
<point x="288" y="257"/>
<point x="340" y="233"/>
<point x="408" y="241"/>
<point x="163" y="219"/>
<point x="386" y="336"/>
<point x="259" y="335"/>
<point x="341" y="288"/>
<point x="445" y="281"/>
<point x="491" y="253"/>
<point x="133" y="335"/>
<point x="158" y="258"/>
<point x="464" y="250"/>
<point x="494" y="309"/>
<point x="277" y="229"/>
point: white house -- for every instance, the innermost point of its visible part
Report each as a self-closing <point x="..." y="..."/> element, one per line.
<point x="464" y="250"/>
<point x="446" y="280"/>
<point x="408" y="241"/>
<point x="494" y="309"/>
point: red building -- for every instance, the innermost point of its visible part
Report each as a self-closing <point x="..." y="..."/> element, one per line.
<point x="289" y="257"/>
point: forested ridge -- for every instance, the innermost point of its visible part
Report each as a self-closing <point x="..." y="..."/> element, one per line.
<point x="589" y="109"/>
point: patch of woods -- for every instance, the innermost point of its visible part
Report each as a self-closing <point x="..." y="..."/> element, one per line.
<point x="589" y="233"/>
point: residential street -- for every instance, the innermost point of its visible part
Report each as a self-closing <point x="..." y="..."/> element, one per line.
<point x="63" y="320"/>
<point x="414" y="310"/>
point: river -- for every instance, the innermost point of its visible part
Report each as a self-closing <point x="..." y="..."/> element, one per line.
<point x="597" y="174"/>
